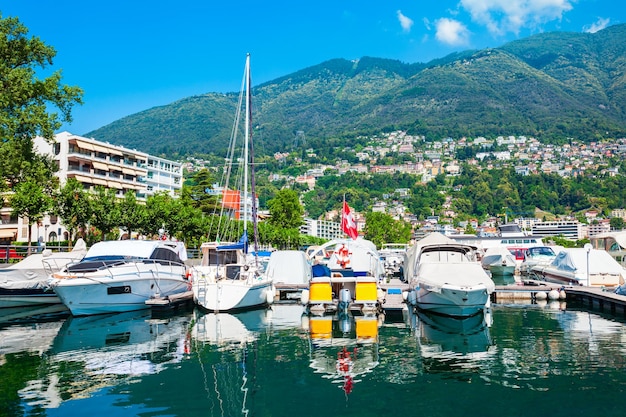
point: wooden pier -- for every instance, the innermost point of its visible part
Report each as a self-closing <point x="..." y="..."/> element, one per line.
<point x="598" y="299"/>
<point x="393" y="300"/>
<point x="170" y="303"/>
<point x="604" y="300"/>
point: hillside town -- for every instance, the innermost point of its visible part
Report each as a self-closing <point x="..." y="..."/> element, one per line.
<point x="527" y="155"/>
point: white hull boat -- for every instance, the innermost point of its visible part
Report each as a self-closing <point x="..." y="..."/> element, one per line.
<point x="536" y="256"/>
<point x="119" y="276"/>
<point x="230" y="295"/>
<point x="291" y="271"/>
<point x="499" y="261"/>
<point x="25" y="283"/>
<point x="230" y="278"/>
<point x="447" y="278"/>
<point x="579" y="266"/>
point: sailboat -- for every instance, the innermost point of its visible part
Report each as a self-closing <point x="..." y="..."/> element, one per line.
<point x="229" y="277"/>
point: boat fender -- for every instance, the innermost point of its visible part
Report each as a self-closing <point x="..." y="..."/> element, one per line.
<point x="553" y="295"/>
<point x="541" y="295"/>
<point x="405" y="296"/>
<point x="269" y="295"/>
<point x="562" y="295"/>
<point x="304" y="297"/>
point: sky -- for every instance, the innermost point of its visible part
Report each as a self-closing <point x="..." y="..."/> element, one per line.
<point x="132" y="55"/>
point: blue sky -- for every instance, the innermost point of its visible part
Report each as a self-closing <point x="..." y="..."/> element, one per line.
<point x="131" y="55"/>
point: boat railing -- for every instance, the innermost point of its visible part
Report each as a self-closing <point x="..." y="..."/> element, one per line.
<point x="95" y="265"/>
<point x="56" y="264"/>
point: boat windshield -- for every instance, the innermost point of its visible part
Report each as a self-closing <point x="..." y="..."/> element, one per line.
<point x="223" y="257"/>
<point x="540" y="251"/>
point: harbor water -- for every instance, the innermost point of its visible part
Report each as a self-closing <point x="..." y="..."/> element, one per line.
<point x="548" y="359"/>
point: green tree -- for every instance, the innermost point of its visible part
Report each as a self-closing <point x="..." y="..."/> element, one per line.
<point x="28" y="103"/>
<point x="30" y="201"/>
<point x="160" y="214"/>
<point x="198" y="189"/>
<point x="285" y="210"/>
<point x="131" y="213"/>
<point x="381" y="228"/>
<point x="617" y="223"/>
<point x="72" y="205"/>
<point x="105" y="210"/>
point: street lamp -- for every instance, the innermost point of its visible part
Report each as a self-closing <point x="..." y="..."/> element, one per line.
<point x="588" y="248"/>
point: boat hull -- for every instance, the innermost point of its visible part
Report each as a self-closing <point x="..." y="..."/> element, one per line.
<point x="502" y="270"/>
<point x="556" y="276"/>
<point x="451" y="300"/>
<point x="230" y="295"/>
<point x="99" y="295"/>
<point x="27" y="297"/>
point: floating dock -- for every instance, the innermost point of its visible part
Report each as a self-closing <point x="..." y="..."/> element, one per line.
<point x="604" y="300"/>
<point x="171" y="302"/>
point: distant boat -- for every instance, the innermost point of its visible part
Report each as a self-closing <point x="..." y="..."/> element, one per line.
<point x="119" y="276"/>
<point x="229" y="277"/>
<point x="393" y="255"/>
<point x="612" y="242"/>
<point x="26" y="282"/>
<point x="499" y="261"/>
<point x="580" y="266"/>
<point x="509" y="235"/>
<point x="536" y="256"/>
<point x="445" y="277"/>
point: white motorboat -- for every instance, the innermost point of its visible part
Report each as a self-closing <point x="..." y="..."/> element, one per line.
<point x="26" y="282"/>
<point x="291" y="271"/>
<point x="229" y="278"/>
<point x="536" y="256"/>
<point x="446" y="278"/>
<point x="582" y="266"/>
<point x="393" y="255"/>
<point x="499" y="261"/>
<point x="117" y="276"/>
<point x="346" y="274"/>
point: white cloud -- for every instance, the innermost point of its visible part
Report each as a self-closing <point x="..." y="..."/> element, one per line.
<point x="502" y="16"/>
<point x="405" y="22"/>
<point x="452" y="32"/>
<point x="598" y="25"/>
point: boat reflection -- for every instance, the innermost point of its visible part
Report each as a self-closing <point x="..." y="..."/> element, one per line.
<point x="452" y="343"/>
<point x="343" y="348"/>
<point x="93" y="352"/>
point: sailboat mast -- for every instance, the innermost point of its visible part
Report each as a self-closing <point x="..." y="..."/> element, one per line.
<point x="246" y="144"/>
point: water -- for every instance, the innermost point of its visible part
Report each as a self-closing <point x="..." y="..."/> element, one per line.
<point x="519" y="360"/>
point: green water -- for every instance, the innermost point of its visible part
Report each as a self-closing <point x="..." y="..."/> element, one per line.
<point x="519" y="360"/>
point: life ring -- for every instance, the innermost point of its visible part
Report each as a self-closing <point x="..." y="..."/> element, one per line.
<point x="343" y="256"/>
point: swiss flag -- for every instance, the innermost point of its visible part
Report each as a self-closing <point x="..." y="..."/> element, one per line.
<point x="348" y="225"/>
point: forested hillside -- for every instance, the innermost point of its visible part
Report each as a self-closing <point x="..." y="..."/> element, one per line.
<point x="552" y="85"/>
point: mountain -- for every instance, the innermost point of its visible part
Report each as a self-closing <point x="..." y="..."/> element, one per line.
<point x="551" y="85"/>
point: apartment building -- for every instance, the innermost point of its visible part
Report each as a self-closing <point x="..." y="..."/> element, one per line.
<point x="573" y="230"/>
<point x="93" y="163"/>
<point x="324" y="229"/>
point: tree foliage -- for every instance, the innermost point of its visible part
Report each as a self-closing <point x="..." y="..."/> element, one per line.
<point x="381" y="228"/>
<point x="27" y="103"/>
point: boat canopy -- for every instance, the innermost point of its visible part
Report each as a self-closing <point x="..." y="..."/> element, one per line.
<point x="242" y="244"/>
<point x="575" y="259"/>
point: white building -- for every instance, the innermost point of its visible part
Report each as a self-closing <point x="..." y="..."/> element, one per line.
<point x="324" y="229"/>
<point x="94" y="163"/>
<point x="569" y="229"/>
